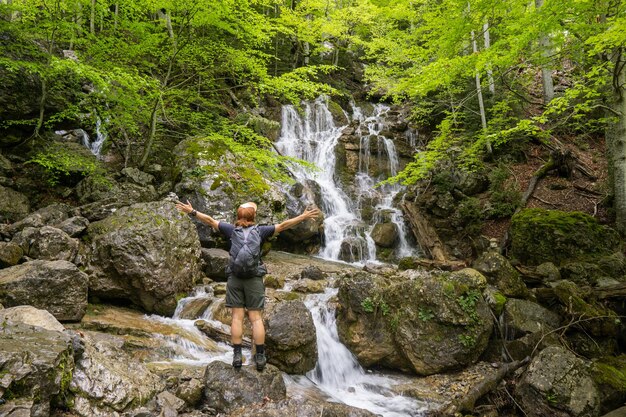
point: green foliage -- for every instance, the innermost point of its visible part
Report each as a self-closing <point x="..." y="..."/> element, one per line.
<point x="63" y="163"/>
<point x="467" y="302"/>
<point x="375" y="305"/>
<point x="425" y="314"/>
<point x="467" y="340"/>
<point x="368" y="305"/>
<point x="504" y="197"/>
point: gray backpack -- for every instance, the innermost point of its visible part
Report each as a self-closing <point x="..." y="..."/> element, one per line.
<point x="245" y="253"/>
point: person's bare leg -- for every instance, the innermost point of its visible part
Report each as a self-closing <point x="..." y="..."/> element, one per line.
<point x="258" y="336"/>
<point x="236" y="335"/>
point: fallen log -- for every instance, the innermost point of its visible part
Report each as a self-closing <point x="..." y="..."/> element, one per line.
<point x="424" y="233"/>
<point x="484" y="387"/>
<point x="611" y="291"/>
<point x="218" y="334"/>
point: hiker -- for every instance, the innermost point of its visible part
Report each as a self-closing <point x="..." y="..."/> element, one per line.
<point x="245" y="271"/>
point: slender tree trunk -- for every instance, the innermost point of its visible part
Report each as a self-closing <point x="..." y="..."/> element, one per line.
<point x="546" y="72"/>
<point x="42" y="106"/>
<point x="487" y="40"/>
<point x="616" y="140"/>
<point x="116" y="15"/>
<point x="479" y="93"/>
<point x="306" y="52"/>
<point x="92" y="18"/>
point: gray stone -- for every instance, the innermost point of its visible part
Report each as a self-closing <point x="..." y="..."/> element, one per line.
<point x="137" y="176"/>
<point x="31" y="316"/>
<point x="13" y="205"/>
<point x="57" y="286"/>
<point x="169" y="404"/>
<point x="10" y="254"/>
<point x="215" y="261"/>
<point x="47" y="216"/>
<point x="190" y="391"/>
<point x="313" y="272"/>
<point x="308" y="408"/>
<point x="291" y="338"/>
<point x="548" y="272"/>
<point x="308" y="286"/>
<point x="500" y="272"/>
<point x="47" y="243"/>
<point x="522" y="317"/>
<point x="558" y="383"/>
<point x="227" y="389"/>
<point x="5" y="165"/>
<point x="74" y="226"/>
<point x="147" y="253"/>
<point x="385" y="234"/>
<point x="35" y="364"/>
<point x="194" y="308"/>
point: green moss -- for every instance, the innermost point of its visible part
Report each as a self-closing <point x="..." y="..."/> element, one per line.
<point x="610" y="371"/>
<point x="500" y="301"/>
<point x="407" y="263"/>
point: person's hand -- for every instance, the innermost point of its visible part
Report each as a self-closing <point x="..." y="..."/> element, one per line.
<point x="185" y="208"/>
<point x="311" y="213"/>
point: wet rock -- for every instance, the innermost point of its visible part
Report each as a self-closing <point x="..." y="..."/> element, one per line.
<point x="291" y="338"/>
<point x="190" y="391"/>
<point x="227" y="389"/>
<point x="10" y="254"/>
<point x="36" y="365"/>
<point x="557" y="383"/>
<point x="500" y="272"/>
<point x="273" y="281"/>
<point x="539" y="235"/>
<point x="522" y="317"/>
<point x="147" y="253"/>
<point x="194" y="308"/>
<point x="313" y="272"/>
<point x="306" y="408"/>
<point x="215" y="263"/>
<point x="13" y="205"/>
<point x="309" y="286"/>
<point x="106" y="380"/>
<point x="385" y="234"/>
<point x="74" y="226"/>
<point x="57" y="286"/>
<point x="353" y="249"/>
<point x="47" y="243"/>
<point x="31" y="316"/>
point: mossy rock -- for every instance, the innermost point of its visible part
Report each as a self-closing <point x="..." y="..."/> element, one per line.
<point x="609" y="374"/>
<point x="539" y="235"/>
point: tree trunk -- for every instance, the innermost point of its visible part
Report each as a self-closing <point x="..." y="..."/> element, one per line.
<point x="479" y="93"/>
<point x="546" y="72"/>
<point x="306" y="52"/>
<point x="424" y="233"/>
<point x="487" y="40"/>
<point x="616" y="141"/>
<point x="42" y="106"/>
<point x="92" y="18"/>
<point x="116" y="15"/>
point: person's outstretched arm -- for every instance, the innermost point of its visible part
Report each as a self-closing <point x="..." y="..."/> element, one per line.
<point x="287" y="224"/>
<point x="204" y="218"/>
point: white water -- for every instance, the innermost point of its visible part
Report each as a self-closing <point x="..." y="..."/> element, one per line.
<point x="313" y="137"/>
<point x="94" y="146"/>
<point x="340" y="376"/>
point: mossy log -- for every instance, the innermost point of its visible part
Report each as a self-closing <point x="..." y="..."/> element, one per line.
<point x="424" y="233"/>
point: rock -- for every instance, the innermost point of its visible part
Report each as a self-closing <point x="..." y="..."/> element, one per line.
<point x="13" y="205"/>
<point x="137" y="176"/>
<point x="273" y="281"/>
<point x="427" y="324"/>
<point x="47" y="243"/>
<point x="495" y="299"/>
<point x="309" y="286"/>
<point x="307" y="408"/>
<point x="190" y="391"/>
<point x="291" y="338"/>
<point x="169" y="404"/>
<point x="31" y="316"/>
<point x="107" y="380"/>
<point x="10" y="254"/>
<point x="500" y="272"/>
<point x="557" y="383"/>
<point x="74" y="226"/>
<point x="194" y="308"/>
<point x="227" y="388"/>
<point x="94" y="189"/>
<point x="36" y="365"/>
<point x="313" y="272"/>
<point x="47" y="216"/>
<point x="601" y="321"/>
<point x="609" y="374"/>
<point x="385" y="234"/>
<point x="57" y="286"/>
<point x="548" y="272"/>
<point x="5" y="165"/>
<point x="353" y="249"/>
<point x="539" y="235"/>
<point x="215" y="261"/>
<point x="147" y="253"/>
<point x="522" y="317"/>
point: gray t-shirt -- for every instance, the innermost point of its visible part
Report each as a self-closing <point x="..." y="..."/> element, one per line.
<point x="265" y="231"/>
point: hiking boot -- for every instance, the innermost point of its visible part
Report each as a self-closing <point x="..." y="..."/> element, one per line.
<point x="237" y="360"/>
<point x="260" y="360"/>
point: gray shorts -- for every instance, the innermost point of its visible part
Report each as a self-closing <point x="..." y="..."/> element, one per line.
<point x="248" y="293"/>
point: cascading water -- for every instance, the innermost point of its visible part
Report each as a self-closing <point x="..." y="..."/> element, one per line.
<point x="340" y="376"/>
<point x="313" y="138"/>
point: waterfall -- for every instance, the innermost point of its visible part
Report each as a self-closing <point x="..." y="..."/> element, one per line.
<point x="340" y="376"/>
<point x="313" y="137"/>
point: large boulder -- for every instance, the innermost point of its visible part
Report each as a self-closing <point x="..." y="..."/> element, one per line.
<point x="291" y="338"/>
<point x="36" y="366"/>
<point x="10" y="254"/>
<point x="215" y="263"/>
<point x="13" y="205"/>
<point x="31" y="316"/>
<point x="147" y="253"/>
<point x="558" y="383"/>
<point x="500" y="273"/>
<point x="57" y="286"/>
<point x="522" y="317"/>
<point x="47" y="243"/>
<point x="609" y="374"/>
<point x="424" y="323"/>
<point x="107" y="381"/>
<point x="50" y="215"/>
<point x="74" y="226"/>
<point x="539" y="235"/>
<point x="226" y="388"/>
<point x="385" y="234"/>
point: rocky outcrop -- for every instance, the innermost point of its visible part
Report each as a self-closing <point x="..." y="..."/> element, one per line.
<point x="557" y="383"/>
<point x="31" y="316"/>
<point x="36" y="365"/>
<point x="106" y="381"/>
<point x="427" y="324"/>
<point x="147" y="253"/>
<point x="226" y="389"/>
<point x="47" y="243"/>
<point x="522" y="317"/>
<point x="13" y="205"/>
<point x="57" y="286"/>
<point x="74" y="226"/>
<point x="51" y="215"/>
<point x="291" y="338"/>
<point x="539" y="235"/>
<point x="501" y="274"/>
<point x="215" y="263"/>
